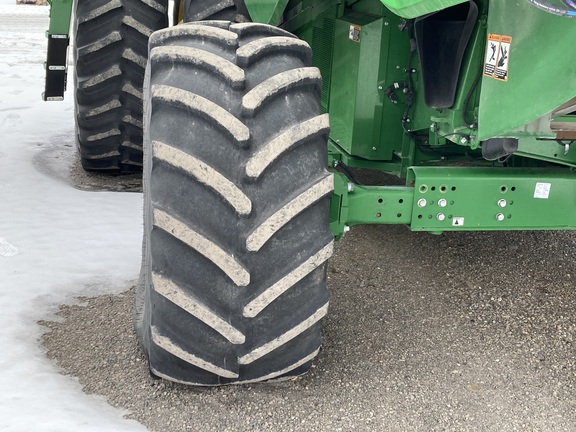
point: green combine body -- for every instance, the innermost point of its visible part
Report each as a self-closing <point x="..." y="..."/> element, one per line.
<point x="469" y="107"/>
<point x="413" y="84"/>
<point x="430" y="107"/>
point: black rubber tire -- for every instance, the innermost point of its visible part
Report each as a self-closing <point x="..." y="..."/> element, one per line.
<point x="224" y="10"/>
<point x="111" y="52"/>
<point x="236" y="205"/>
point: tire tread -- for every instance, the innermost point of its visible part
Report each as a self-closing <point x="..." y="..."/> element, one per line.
<point x="111" y="55"/>
<point x="234" y="266"/>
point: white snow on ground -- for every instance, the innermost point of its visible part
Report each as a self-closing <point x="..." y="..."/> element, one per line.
<point x="56" y="242"/>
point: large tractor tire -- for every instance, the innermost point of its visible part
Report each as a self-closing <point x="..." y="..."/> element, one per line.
<point x="236" y="205"/>
<point x="111" y="52"/>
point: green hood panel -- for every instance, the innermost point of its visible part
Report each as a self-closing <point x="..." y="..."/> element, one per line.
<point x="270" y="11"/>
<point x="416" y="8"/>
<point x="541" y="71"/>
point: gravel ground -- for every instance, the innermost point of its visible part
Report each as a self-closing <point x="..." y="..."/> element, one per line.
<point x="464" y="331"/>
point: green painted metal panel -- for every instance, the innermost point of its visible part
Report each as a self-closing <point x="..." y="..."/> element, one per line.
<point x="380" y="205"/>
<point x="353" y="205"/>
<point x="322" y="41"/>
<point x="541" y="71"/>
<point x="461" y="199"/>
<point x="547" y="150"/>
<point x="416" y="8"/>
<point x="353" y="90"/>
<point x="469" y="199"/>
<point x="60" y="17"/>
<point x="370" y="55"/>
<point x="266" y="11"/>
<point x="337" y="155"/>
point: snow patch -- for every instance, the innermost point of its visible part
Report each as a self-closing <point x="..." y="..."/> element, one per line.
<point x="7" y="249"/>
<point x="56" y="242"/>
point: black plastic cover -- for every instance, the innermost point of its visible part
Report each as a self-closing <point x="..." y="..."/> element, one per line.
<point x="442" y="39"/>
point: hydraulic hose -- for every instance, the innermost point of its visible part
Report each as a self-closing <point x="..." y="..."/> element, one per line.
<point x="569" y="12"/>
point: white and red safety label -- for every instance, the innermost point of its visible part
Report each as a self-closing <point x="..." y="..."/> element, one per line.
<point x="497" y="56"/>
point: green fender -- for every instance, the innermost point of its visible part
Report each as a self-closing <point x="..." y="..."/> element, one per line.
<point x="270" y="11"/>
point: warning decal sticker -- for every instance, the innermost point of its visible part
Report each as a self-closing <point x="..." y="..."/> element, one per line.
<point x="354" y="33"/>
<point x="491" y="54"/>
<point x="458" y="221"/>
<point x="497" y="57"/>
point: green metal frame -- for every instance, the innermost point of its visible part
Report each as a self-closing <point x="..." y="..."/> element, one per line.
<point x="353" y="204"/>
<point x="60" y="17"/>
<point x="493" y="199"/>
<point x="461" y="199"/>
<point x="440" y="156"/>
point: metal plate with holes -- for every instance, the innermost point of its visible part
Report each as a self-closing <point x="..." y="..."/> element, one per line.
<point x="467" y="199"/>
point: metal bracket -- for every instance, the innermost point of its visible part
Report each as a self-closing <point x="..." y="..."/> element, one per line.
<point x="56" y="67"/>
<point x="353" y="204"/>
<point x="472" y="199"/>
<point x="57" y="56"/>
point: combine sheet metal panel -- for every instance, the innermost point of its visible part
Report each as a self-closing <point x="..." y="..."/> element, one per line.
<point x="529" y="69"/>
<point x="416" y="8"/>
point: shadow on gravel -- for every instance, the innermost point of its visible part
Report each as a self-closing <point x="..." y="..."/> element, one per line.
<point x="59" y="159"/>
<point x="464" y="331"/>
